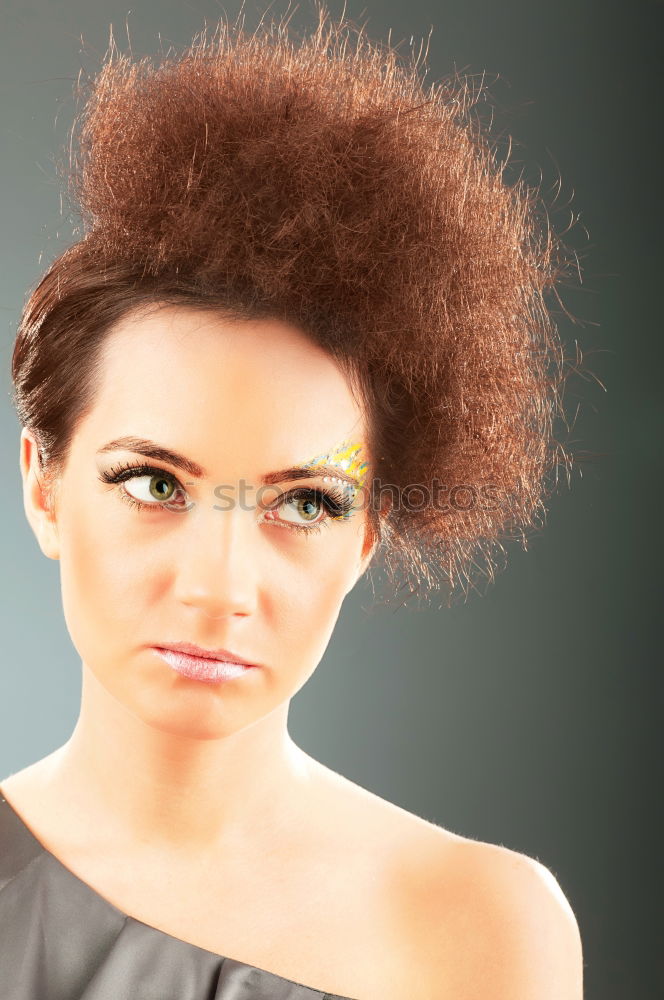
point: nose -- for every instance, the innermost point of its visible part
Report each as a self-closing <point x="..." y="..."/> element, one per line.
<point x="217" y="562"/>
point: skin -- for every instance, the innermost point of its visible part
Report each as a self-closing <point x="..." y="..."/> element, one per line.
<point x="175" y="794"/>
<point x="178" y="765"/>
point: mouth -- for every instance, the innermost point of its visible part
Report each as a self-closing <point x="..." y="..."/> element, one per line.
<point x="227" y="655"/>
<point x="200" y="664"/>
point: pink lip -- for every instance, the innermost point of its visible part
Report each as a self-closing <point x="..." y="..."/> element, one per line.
<point x="202" y="668"/>
<point x="205" y="654"/>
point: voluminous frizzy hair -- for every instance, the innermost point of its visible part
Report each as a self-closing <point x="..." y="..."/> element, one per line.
<point x="319" y="181"/>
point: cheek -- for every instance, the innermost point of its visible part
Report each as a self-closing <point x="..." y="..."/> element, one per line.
<point x="118" y="579"/>
<point x="307" y="597"/>
<point x="100" y="581"/>
<point x="119" y="587"/>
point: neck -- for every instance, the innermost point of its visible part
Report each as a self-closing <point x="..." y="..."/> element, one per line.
<point x="144" y="785"/>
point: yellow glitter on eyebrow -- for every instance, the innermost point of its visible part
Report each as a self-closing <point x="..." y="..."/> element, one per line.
<point x="346" y="456"/>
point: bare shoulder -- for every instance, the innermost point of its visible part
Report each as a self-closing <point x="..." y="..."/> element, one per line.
<point x="488" y="916"/>
<point x="470" y="919"/>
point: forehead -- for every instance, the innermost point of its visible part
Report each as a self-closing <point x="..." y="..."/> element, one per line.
<point x="247" y="392"/>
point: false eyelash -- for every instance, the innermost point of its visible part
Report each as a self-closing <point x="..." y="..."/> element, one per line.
<point x="337" y="503"/>
<point x="123" y="472"/>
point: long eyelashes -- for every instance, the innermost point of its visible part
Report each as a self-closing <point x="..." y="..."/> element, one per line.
<point x="337" y="503"/>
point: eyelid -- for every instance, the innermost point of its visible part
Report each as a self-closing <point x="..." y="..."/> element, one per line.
<point x="128" y="471"/>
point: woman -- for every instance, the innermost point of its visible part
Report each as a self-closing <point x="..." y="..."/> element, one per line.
<point x="302" y="329"/>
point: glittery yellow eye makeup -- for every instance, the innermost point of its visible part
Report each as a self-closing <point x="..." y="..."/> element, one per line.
<point x="346" y="457"/>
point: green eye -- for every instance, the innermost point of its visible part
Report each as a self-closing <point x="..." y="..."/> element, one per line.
<point x="308" y="507"/>
<point x="160" y="488"/>
<point x="153" y="487"/>
<point x="303" y="509"/>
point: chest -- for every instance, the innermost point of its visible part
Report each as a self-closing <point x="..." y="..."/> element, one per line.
<point x="333" y="923"/>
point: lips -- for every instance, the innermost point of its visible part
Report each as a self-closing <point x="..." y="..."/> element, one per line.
<point x="203" y="668"/>
<point x="223" y="655"/>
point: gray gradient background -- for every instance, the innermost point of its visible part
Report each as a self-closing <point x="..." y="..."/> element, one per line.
<point x="528" y="715"/>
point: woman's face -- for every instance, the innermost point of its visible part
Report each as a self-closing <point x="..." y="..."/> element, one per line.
<point x="221" y="565"/>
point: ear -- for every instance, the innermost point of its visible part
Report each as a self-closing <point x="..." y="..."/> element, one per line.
<point x="368" y="550"/>
<point x="36" y="498"/>
<point x="371" y="540"/>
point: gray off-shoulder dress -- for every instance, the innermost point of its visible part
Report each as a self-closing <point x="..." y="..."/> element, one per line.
<point x="61" y="940"/>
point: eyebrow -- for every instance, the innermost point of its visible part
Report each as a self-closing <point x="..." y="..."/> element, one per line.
<point x="149" y="449"/>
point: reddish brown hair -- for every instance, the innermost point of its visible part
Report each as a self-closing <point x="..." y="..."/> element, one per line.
<point x="321" y="182"/>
